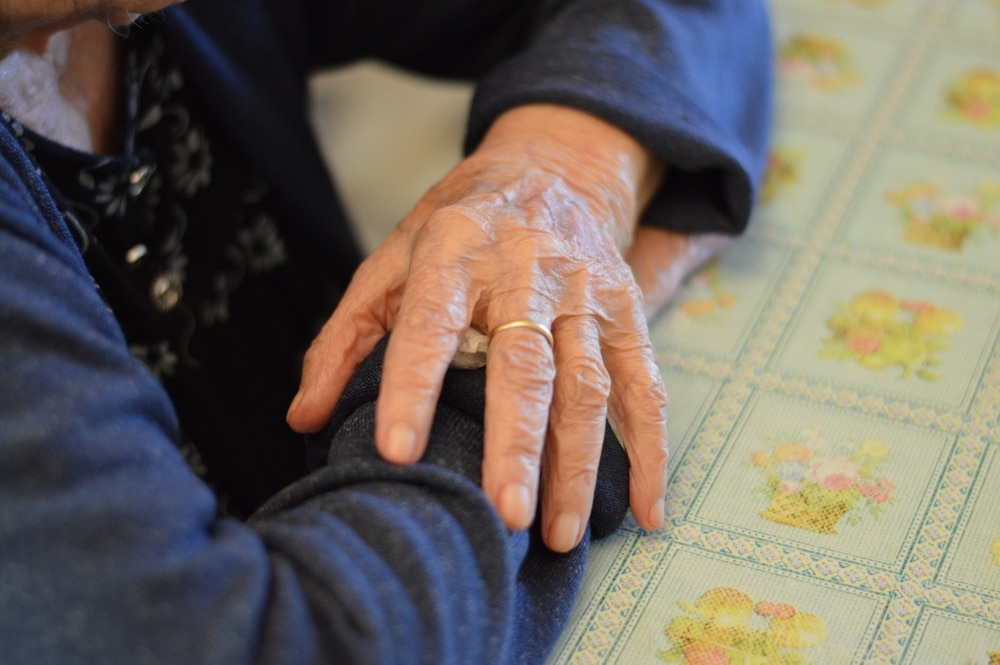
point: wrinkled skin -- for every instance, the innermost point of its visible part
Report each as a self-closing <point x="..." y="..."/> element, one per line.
<point x="533" y="225"/>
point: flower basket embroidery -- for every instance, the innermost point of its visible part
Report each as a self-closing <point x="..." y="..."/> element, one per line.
<point x="878" y="330"/>
<point x="821" y="62"/>
<point x="812" y="487"/>
<point x="975" y="98"/>
<point x="725" y="626"/>
<point x="934" y="217"/>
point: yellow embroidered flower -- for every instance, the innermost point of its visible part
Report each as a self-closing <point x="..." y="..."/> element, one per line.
<point x="800" y="631"/>
<point x="875" y="305"/>
<point x="791" y="452"/>
<point x="938" y="321"/>
<point x="724" y="606"/>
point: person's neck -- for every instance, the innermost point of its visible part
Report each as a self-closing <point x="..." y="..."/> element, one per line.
<point x="65" y="86"/>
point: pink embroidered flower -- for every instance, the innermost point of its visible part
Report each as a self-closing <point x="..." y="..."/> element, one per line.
<point x="877" y="490"/>
<point x="863" y="344"/>
<point x="789" y="486"/>
<point x="764" y="608"/>
<point x="976" y="108"/>
<point x="917" y="306"/>
<point x="868" y="490"/>
<point x="960" y="207"/>
<point x="836" y="474"/>
<point x="705" y="654"/>
<point x="784" y="611"/>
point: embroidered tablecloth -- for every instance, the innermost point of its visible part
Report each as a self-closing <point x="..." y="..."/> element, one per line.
<point x="835" y="377"/>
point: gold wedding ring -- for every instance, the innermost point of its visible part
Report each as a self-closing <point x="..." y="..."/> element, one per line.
<point x="525" y="323"/>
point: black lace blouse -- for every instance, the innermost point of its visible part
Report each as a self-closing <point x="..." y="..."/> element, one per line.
<point x="187" y="249"/>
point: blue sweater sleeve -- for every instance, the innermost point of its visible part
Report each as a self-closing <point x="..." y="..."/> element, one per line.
<point x="690" y="79"/>
<point x="111" y="550"/>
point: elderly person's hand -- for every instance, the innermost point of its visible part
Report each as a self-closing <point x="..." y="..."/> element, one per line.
<point x="530" y="227"/>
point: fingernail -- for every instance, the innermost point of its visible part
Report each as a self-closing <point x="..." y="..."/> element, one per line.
<point x="656" y="514"/>
<point x="401" y="444"/>
<point x="565" y="532"/>
<point x="515" y="506"/>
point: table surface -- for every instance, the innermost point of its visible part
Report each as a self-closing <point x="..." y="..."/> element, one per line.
<point x="835" y="376"/>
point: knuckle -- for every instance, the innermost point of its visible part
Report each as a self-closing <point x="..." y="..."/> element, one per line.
<point x="522" y="450"/>
<point x="574" y="474"/>
<point x="447" y="223"/>
<point x="575" y="450"/>
<point x="619" y="275"/>
<point x="461" y="223"/>
<point x="584" y="382"/>
<point x="525" y="361"/>
<point x="434" y="316"/>
<point x="639" y="384"/>
<point x="418" y="382"/>
<point x="652" y="393"/>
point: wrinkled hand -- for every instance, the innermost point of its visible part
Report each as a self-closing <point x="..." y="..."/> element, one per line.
<point x="532" y="225"/>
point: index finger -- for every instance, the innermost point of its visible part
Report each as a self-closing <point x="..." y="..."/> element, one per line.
<point x="432" y="319"/>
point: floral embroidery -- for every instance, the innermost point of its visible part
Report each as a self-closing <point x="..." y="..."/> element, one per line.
<point x="725" y="626"/>
<point x="109" y="194"/>
<point x="820" y="61"/>
<point x="256" y="248"/>
<point x="782" y="172"/>
<point x="877" y="330"/>
<point x="975" y="98"/>
<point x="937" y="218"/>
<point x="192" y="162"/>
<point x="812" y="486"/>
<point x="261" y="244"/>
